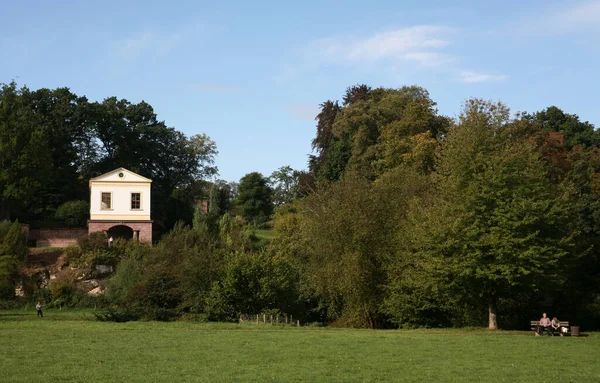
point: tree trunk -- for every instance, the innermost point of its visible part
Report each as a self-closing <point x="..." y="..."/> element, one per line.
<point x="492" y="323"/>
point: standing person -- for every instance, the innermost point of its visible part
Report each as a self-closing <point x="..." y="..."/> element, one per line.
<point x="38" y="308"/>
<point x="545" y="324"/>
<point x="110" y="241"/>
<point x="556" y="326"/>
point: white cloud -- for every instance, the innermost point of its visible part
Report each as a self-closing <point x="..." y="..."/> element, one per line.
<point x="422" y="44"/>
<point x="421" y="47"/>
<point x="303" y="112"/>
<point x="476" y="77"/>
<point x="216" y="88"/>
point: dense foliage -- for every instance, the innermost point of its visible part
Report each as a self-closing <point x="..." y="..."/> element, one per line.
<point x="255" y="198"/>
<point x="53" y="141"/>
<point x="405" y="217"/>
<point x="13" y="252"/>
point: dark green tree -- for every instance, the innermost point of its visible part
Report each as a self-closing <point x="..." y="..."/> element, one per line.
<point x="24" y="156"/>
<point x="74" y="213"/>
<point x="497" y="229"/>
<point x="575" y="131"/>
<point x="375" y="131"/>
<point x="255" y="198"/>
<point x="219" y="198"/>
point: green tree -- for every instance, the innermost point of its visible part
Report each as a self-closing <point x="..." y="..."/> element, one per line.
<point x="575" y="131"/>
<point x="131" y="136"/>
<point x="14" y="243"/>
<point x="74" y="213"/>
<point x="219" y="198"/>
<point x="497" y="227"/>
<point x="340" y="238"/>
<point x="255" y="198"/>
<point x="70" y="145"/>
<point x="284" y="183"/>
<point x="24" y="155"/>
<point x="13" y="253"/>
<point x="375" y="131"/>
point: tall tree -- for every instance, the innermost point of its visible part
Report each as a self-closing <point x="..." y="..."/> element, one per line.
<point x="24" y="156"/>
<point x="575" y="131"/>
<point x="255" y="198"/>
<point x="131" y="136"/>
<point x="284" y="183"/>
<point x="375" y="131"/>
<point x="498" y="226"/>
<point x="70" y="144"/>
<point x="324" y="139"/>
<point x="219" y="198"/>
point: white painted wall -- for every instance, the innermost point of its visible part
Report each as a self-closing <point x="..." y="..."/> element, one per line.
<point x="120" y="183"/>
<point x="121" y="201"/>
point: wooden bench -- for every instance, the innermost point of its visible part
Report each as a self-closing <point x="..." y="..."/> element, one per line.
<point x="563" y="324"/>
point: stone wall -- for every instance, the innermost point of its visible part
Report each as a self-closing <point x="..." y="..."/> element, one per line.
<point x="142" y="230"/>
<point x="59" y="237"/>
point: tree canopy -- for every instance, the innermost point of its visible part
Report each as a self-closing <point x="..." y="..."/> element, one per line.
<point x="53" y="141"/>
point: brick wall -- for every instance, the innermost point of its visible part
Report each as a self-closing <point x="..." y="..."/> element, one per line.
<point x="59" y="237"/>
<point x="142" y="230"/>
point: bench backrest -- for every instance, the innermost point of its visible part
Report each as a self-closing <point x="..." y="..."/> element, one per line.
<point x="562" y="323"/>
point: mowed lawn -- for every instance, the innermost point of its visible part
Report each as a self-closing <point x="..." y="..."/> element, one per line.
<point x="69" y="346"/>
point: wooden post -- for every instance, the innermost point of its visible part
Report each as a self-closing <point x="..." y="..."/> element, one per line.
<point x="271" y="319"/>
<point x="264" y="318"/>
<point x="256" y="318"/>
<point x="297" y="323"/>
<point x="277" y="321"/>
<point x="286" y="319"/>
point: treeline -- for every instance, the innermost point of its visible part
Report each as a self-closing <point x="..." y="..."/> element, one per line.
<point x="405" y="218"/>
<point x="419" y="220"/>
<point x="53" y="141"/>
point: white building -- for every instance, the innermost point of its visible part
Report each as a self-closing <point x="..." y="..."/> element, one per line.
<point x="120" y="205"/>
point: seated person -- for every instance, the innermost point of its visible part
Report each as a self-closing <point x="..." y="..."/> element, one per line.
<point x="555" y="326"/>
<point x="545" y="325"/>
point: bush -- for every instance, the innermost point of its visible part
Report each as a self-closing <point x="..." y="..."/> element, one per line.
<point x="93" y="241"/>
<point x="4" y="229"/>
<point x="128" y="275"/>
<point x="63" y="292"/>
<point x="72" y="252"/>
<point x="15" y="243"/>
<point x="74" y="213"/>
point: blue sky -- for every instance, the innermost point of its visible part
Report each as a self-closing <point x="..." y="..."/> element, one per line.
<point x="251" y="74"/>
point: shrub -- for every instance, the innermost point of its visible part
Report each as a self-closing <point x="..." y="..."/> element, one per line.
<point x="63" y="292"/>
<point x="157" y="298"/>
<point x="74" y="213"/>
<point x="4" y="229"/>
<point x="93" y="241"/>
<point x="128" y="275"/>
<point x="72" y="252"/>
<point x="15" y="243"/>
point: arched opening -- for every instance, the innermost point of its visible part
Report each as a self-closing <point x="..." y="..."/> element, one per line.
<point x="120" y="231"/>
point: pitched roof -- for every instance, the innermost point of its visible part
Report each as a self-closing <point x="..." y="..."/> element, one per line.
<point x="106" y="175"/>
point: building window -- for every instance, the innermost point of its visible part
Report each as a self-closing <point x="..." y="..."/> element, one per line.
<point x="106" y="201"/>
<point x="136" y="201"/>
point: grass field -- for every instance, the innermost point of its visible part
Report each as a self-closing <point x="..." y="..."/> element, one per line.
<point x="69" y="346"/>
